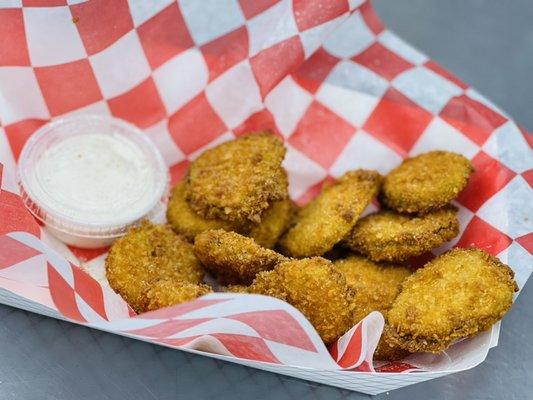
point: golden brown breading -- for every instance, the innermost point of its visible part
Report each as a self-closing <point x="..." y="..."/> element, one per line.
<point x="274" y="222"/>
<point x="426" y="182"/>
<point x="458" y="294"/>
<point x="388" y="236"/>
<point x="146" y="254"/>
<point x="236" y="289"/>
<point x="233" y="258"/>
<point x="167" y="292"/>
<point x="328" y="218"/>
<point x="387" y="350"/>
<point x="185" y="221"/>
<point x="375" y="285"/>
<point x="237" y="180"/>
<point x="316" y="289"/>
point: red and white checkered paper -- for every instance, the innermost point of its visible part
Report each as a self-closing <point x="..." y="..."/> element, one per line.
<point x="326" y="76"/>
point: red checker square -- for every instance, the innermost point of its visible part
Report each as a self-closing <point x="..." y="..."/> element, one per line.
<point x="382" y="61"/>
<point x="474" y="119"/>
<point x="488" y="178"/>
<point x="69" y="86"/>
<point x="195" y="125"/>
<point x="321" y="134"/>
<point x="251" y="8"/>
<point x="312" y="13"/>
<point x="371" y="18"/>
<point x="18" y="133"/>
<point x="528" y="176"/>
<point x="314" y="71"/>
<point x="527" y="135"/>
<point x="271" y="65"/>
<point x="101" y="22"/>
<point x="260" y="121"/>
<point x="177" y="171"/>
<point x="397" y="121"/>
<point x="141" y="105"/>
<point x="13" y="46"/>
<point x="484" y="236"/>
<point x="313" y="191"/>
<point x="84" y="255"/>
<point x="432" y="65"/>
<point x="164" y="36"/>
<point x="226" y="51"/>
<point x="526" y="242"/>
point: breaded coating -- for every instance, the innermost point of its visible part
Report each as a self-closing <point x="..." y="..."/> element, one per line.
<point x="188" y="223"/>
<point x="236" y="289"/>
<point x="146" y="254"/>
<point x="375" y="285"/>
<point x="274" y="222"/>
<point x="316" y="289"/>
<point x="387" y="350"/>
<point x="389" y="236"/>
<point x="457" y="295"/>
<point x="167" y="292"/>
<point x="426" y="182"/>
<point x="328" y="218"/>
<point x="237" y="180"/>
<point x="233" y="258"/>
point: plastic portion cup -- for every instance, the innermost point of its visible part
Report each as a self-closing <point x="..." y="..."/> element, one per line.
<point x="75" y="224"/>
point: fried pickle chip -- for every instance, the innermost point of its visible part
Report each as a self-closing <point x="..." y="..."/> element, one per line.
<point x="274" y="222"/>
<point x="388" y="236"/>
<point x="236" y="289"/>
<point x="426" y="182"/>
<point x="316" y="289"/>
<point x="167" y="292"/>
<point x="237" y="180"/>
<point x="146" y="254"/>
<point x="233" y="258"/>
<point x="328" y="218"/>
<point x="388" y="350"/>
<point x="188" y="223"/>
<point x="457" y="295"/>
<point x="375" y="285"/>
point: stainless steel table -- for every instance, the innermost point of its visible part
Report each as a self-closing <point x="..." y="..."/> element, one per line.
<point x="488" y="43"/>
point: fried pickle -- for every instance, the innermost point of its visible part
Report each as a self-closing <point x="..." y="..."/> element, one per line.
<point x="457" y="295"/>
<point x="274" y="222"/>
<point x="146" y="254"/>
<point x="316" y="289"/>
<point x="388" y="350"/>
<point x="167" y="292"/>
<point x="328" y="218"/>
<point x="237" y="180"/>
<point x="236" y="289"/>
<point x="233" y="258"/>
<point x="188" y="223"/>
<point x="393" y="237"/>
<point x="426" y="182"/>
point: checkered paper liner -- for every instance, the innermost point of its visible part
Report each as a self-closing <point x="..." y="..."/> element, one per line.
<point x="341" y="90"/>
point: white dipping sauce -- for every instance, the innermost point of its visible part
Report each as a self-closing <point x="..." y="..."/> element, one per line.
<point x="95" y="178"/>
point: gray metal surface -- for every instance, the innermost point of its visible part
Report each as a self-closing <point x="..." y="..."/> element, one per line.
<point x="488" y="43"/>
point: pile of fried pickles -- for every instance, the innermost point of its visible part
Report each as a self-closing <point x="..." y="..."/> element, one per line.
<point x="231" y="216"/>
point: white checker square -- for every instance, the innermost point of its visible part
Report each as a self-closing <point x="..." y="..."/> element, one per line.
<point x="10" y="3"/>
<point x="271" y="26"/>
<point x="288" y="102"/>
<point x="51" y="35"/>
<point x="100" y="108"/>
<point x="20" y="95"/>
<point x="351" y="38"/>
<point x="210" y="19"/>
<point x="363" y="151"/>
<point x="508" y="145"/>
<point x="510" y="210"/>
<point x="352" y="91"/>
<point x="353" y="4"/>
<point x="161" y="137"/>
<point x="7" y="176"/>
<point x="181" y="78"/>
<point x="141" y="11"/>
<point x="426" y="88"/>
<point x="402" y="48"/>
<point x="313" y="38"/>
<point x="303" y="172"/>
<point x="72" y="2"/>
<point x="121" y="66"/>
<point x="440" y="135"/>
<point x="521" y="262"/>
<point x="235" y="95"/>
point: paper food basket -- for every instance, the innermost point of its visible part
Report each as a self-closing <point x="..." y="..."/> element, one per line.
<point x="327" y="76"/>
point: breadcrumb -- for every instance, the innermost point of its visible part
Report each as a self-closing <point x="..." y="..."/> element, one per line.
<point x="167" y="292"/>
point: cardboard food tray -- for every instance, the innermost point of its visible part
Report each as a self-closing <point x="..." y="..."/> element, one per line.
<point x="328" y="77"/>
